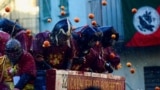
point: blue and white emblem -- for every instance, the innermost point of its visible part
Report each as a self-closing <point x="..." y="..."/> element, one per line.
<point x="146" y="20"/>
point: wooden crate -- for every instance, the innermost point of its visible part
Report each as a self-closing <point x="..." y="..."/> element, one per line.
<point x="75" y="80"/>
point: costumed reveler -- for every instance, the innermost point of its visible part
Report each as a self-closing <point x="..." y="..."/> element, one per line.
<point x="15" y="30"/>
<point x="4" y="64"/>
<point x="22" y="68"/>
<point x="103" y="57"/>
<point x="53" y="50"/>
<point x="84" y="38"/>
<point x="110" y="36"/>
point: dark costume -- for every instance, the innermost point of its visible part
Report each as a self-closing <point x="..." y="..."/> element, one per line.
<point x="107" y="39"/>
<point x="84" y="38"/>
<point x="102" y="57"/>
<point x="23" y="64"/>
<point x="57" y="53"/>
<point x="25" y="39"/>
<point x="53" y="55"/>
<point x="107" y="42"/>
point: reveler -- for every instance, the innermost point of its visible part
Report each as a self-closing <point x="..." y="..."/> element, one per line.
<point x="84" y="38"/>
<point x="109" y="54"/>
<point x="53" y="50"/>
<point x="103" y="56"/>
<point x="17" y="31"/>
<point x="22" y="68"/>
<point x="4" y="37"/>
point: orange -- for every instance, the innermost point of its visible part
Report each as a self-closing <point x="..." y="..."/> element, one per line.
<point x="76" y="19"/>
<point x="91" y="15"/>
<point x="63" y="13"/>
<point x="94" y="23"/>
<point x="134" y="10"/>
<point x="62" y="7"/>
<point x="46" y="43"/>
<point x="113" y="36"/>
<point x="104" y="2"/>
<point x="49" y="20"/>
<point x="7" y="9"/>
<point x="132" y="70"/>
<point x="128" y="64"/>
<point x="112" y="55"/>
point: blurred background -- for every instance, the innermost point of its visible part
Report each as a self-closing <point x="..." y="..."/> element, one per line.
<point x="140" y="53"/>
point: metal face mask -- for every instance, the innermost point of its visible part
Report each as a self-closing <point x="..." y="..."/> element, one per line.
<point x="61" y="32"/>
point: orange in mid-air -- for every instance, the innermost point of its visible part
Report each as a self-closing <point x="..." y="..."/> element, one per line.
<point x="119" y="66"/>
<point x="128" y="64"/>
<point x="76" y="19"/>
<point x="28" y="32"/>
<point x="62" y="7"/>
<point x="112" y="55"/>
<point x="132" y="70"/>
<point x="49" y="20"/>
<point x="113" y="36"/>
<point x="7" y="9"/>
<point x="134" y="10"/>
<point x="63" y="13"/>
<point x="104" y="2"/>
<point x="91" y="15"/>
<point x="157" y="88"/>
<point x="46" y="43"/>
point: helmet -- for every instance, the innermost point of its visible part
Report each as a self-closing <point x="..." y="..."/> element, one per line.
<point x="108" y="31"/>
<point x="61" y="31"/>
<point x="13" y="50"/>
<point x="8" y="25"/>
<point x="86" y="37"/>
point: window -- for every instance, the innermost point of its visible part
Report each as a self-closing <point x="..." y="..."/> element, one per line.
<point x="151" y="77"/>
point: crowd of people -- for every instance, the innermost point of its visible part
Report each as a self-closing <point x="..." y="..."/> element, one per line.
<point x="25" y="58"/>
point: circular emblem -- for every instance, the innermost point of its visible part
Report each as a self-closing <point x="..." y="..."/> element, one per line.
<point x="146" y="20"/>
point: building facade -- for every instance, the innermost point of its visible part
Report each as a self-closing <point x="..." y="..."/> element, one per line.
<point x="34" y="15"/>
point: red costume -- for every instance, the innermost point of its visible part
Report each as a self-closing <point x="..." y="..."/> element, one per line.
<point x="52" y="50"/>
<point x="4" y="37"/>
<point x="102" y="58"/>
<point x="26" y="64"/>
<point x="22" y="64"/>
<point x="56" y="56"/>
<point x="84" y="38"/>
<point x="25" y="39"/>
